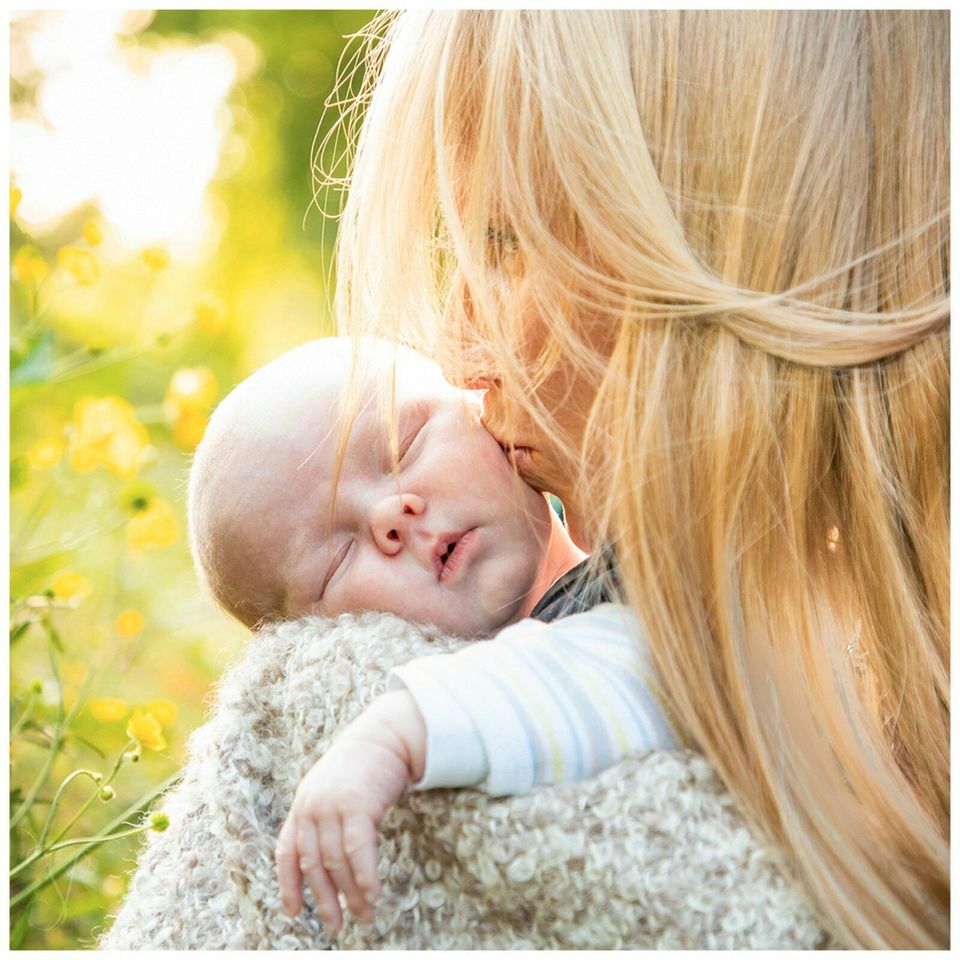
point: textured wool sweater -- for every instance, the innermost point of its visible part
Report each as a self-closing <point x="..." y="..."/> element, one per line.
<point x="650" y="853"/>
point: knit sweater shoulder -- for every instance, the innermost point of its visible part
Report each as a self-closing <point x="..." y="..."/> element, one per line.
<point x="652" y="853"/>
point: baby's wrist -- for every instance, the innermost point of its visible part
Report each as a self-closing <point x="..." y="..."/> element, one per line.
<point x="393" y="720"/>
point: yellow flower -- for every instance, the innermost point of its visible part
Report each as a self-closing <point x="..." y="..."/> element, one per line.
<point x="105" y="432"/>
<point x="70" y="585"/>
<point x="188" y="429"/>
<point x="165" y="711"/>
<point x="137" y="495"/>
<point x="154" y="527"/>
<point x="16" y="195"/>
<point x="80" y="264"/>
<point x="128" y="623"/>
<point x="108" y="709"/>
<point x="92" y="233"/>
<point x="155" y="257"/>
<point x="45" y="454"/>
<point x="211" y="312"/>
<point x="146" y="730"/>
<point x="190" y="395"/>
<point x="29" y="266"/>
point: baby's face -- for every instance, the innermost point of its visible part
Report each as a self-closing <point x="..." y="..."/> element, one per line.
<point x="448" y="535"/>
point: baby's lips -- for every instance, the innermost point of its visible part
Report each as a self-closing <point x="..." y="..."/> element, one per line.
<point x="445" y="545"/>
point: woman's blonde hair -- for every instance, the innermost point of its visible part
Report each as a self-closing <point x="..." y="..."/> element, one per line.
<point x="748" y="212"/>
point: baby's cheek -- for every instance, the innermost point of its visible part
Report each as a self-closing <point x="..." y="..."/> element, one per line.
<point x="379" y="584"/>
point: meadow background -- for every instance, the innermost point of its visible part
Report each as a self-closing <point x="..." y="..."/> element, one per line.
<point x="163" y="244"/>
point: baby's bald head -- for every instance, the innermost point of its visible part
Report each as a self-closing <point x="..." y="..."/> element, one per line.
<point x="256" y="438"/>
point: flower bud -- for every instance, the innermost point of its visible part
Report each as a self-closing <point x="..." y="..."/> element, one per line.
<point x="107" y="793"/>
<point x="159" y="822"/>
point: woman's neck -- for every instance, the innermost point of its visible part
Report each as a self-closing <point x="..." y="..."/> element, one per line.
<point x="562" y="555"/>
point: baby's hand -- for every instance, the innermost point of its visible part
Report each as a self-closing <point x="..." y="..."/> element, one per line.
<point x="329" y="837"/>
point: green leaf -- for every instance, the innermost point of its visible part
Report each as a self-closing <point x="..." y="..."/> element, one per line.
<point x="18" y="631"/>
<point x="31" y="575"/>
<point x="42" y="739"/>
<point x="19" y="472"/>
<point x="20" y="928"/>
<point x="88" y="743"/>
<point x="37" y="364"/>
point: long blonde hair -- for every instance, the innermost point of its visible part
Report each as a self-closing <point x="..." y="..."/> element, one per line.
<point x="753" y="207"/>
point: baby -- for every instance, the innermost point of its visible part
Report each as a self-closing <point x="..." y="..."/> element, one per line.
<point x="429" y="521"/>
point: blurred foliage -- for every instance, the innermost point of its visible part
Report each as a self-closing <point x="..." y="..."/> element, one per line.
<point x="117" y="358"/>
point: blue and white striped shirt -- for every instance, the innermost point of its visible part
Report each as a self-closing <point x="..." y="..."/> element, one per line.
<point x="540" y="703"/>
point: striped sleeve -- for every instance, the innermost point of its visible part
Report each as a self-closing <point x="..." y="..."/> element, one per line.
<point x="540" y="703"/>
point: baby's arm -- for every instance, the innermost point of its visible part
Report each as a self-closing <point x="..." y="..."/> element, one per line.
<point x="329" y="837"/>
<point x="541" y="703"/>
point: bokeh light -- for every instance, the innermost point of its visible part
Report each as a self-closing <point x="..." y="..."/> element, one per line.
<point x="136" y="131"/>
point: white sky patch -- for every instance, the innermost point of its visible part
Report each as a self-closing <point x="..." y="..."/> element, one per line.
<point x="136" y="131"/>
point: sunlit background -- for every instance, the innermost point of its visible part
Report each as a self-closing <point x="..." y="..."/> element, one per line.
<point x="163" y="245"/>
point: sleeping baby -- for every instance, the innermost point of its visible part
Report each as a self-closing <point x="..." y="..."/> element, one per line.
<point x="308" y="497"/>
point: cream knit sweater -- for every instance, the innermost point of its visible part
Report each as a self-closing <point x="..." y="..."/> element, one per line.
<point x="651" y="853"/>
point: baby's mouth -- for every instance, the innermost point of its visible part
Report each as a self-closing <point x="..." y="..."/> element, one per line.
<point x="449" y="551"/>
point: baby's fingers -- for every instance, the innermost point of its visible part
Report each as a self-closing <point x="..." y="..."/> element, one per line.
<point x="360" y="847"/>
<point x="312" y="868"/>
<point x="340" y="869"/>
<point x="289" y="877"/>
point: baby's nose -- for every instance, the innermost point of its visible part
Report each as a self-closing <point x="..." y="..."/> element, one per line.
<point x="390" y="518"/>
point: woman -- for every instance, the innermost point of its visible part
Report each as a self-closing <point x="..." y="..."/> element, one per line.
<point x="700" y="261"/>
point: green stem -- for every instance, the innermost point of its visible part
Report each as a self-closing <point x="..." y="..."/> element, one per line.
<point x="39" y="782"/>
<point x="62" y="546"/>
<point x="105" y="835"/>
<point x="37" y="854"/>
<point x="92" y="774"/>
<point x="24" y="717"/>
<point x="96" y="363"/>
<point x="23" y="864"/>
<point x="96" y="838"/>
<point x="57" y="740"/>
<point x="52" y="651"/>
<point x="104" y="783"/>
